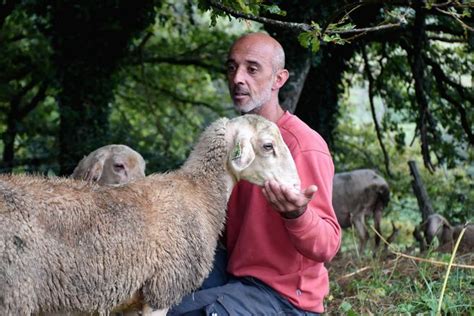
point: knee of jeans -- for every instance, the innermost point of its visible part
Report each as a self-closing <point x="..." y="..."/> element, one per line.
<point x="216" y="309"/>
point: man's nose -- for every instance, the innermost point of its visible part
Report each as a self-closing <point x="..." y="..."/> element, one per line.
<point x="238" y="76"/>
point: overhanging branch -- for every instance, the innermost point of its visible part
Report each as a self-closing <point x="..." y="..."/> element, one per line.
<point x="300" y="27"/>
<point x="441" y="80"/>
<point x="372" y="109"/>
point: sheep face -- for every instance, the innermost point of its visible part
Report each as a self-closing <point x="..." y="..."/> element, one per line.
<point x="439" y="227"/>
<point x="111" y="164"/>
<point x="259" y="153"/>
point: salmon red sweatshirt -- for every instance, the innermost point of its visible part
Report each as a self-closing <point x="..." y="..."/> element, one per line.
<point x="287" y="254"/>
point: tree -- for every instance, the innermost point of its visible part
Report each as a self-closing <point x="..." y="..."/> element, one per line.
<point x="418" y="31"/>
<point x="399" y="47"/>
<point x="89" y="40"/>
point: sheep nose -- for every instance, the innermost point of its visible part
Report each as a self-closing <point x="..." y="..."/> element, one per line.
<point x="119" y="166"/>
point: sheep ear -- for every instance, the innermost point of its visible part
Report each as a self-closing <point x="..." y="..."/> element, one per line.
<point x="89" y="169"/>
<point x="242" y="154"/>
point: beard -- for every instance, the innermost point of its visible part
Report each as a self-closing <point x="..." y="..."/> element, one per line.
<point x="254" y="102"/>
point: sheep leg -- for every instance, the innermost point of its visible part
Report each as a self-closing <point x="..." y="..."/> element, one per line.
<point x="358" y="222"/>
<point x="377" y="220"/>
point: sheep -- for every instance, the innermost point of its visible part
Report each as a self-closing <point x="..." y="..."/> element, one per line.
<point x="62" y="241"/>
<point x="437" y="226"/>
<point x="111" y="164"/>
<point x="358" y="193"/>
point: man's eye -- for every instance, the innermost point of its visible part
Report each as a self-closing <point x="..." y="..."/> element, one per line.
<point x="252" y="70"/>
<point x="268" y="146"/>
<point x="230" y="68"/>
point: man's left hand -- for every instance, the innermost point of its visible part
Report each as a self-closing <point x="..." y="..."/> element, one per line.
<point x="289" y="202"/>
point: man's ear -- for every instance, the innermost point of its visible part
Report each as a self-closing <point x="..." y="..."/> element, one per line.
<point x="281" y="77"/>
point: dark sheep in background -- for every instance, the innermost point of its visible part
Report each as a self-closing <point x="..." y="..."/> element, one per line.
<point x="357" y="194"/>
<point x="438" y="227"/>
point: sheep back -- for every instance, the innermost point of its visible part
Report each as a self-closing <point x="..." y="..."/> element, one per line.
<point x="357" y="191"/>
<point x="68" y="245"/>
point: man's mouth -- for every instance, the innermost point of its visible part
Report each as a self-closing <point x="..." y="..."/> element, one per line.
<point x="238" y="95"/>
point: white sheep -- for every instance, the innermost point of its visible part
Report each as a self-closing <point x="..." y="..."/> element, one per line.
<point x="69" y="245"/>
<point x="111" y="164"/>
<point x="356" y="194"/>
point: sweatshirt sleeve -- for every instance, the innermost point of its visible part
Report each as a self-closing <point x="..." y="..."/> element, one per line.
<point x="316" y="234"/>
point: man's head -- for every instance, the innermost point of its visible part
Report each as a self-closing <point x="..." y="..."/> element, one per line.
<point x="255" y="71"/>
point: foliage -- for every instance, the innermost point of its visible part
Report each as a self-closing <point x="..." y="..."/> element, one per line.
<point x="450" y="189"/>
<point x="158" y="80"/>
<point x="25" y="62"/>
<point x="381" y="285"/>
<point x="420" y="54"/>
<point x="177" y="81"/>
<point x="168" y="87"/>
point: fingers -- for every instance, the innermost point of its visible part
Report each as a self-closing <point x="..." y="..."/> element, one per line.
<point x="286" y="199"/>
<point x="272" y="193"/>
<point x="309" y="192"/>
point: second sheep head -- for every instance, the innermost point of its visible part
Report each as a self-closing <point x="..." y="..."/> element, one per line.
<point x="111" y="164"/>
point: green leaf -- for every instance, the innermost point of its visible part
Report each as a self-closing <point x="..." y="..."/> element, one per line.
<point x="304" y="39"/>
<point x="345" y="306"/>
<point x="273" y="9"/>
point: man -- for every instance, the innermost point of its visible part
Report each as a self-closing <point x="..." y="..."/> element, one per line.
<point x="277" y="239"/>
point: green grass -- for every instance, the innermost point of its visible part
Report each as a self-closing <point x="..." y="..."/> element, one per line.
<point x="387" y="284"/>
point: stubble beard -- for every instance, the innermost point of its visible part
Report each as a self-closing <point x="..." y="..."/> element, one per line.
<point x="253" y="105"/>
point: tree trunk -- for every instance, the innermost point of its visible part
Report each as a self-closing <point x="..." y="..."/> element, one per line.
<point x="314" y="84"/>
<point x="298" y="63"/>
<point x="318" y="105"/>
<point x="422" y="197"/>
<point x="90" y="39"/>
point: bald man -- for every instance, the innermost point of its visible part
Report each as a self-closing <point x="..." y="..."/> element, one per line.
<point x="276" y="238"/>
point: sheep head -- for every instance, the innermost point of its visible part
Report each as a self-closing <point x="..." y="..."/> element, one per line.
<point x="258" y="152"/>
<point x="111" y="164"/>
<point x="437" y="226"/>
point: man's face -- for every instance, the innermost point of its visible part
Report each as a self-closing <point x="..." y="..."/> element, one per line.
<point x="250" y="74"/>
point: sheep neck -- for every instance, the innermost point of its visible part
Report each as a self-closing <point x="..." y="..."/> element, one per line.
<point x="207" y="162"/>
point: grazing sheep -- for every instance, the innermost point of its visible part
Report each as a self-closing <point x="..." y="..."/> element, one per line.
<point x="63" y="242"/>
<point x="111" y="164"/>
<point x="436" y="226"/>
<point x="356" y="194"/>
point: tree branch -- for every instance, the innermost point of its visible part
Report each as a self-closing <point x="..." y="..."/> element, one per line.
<point x="441" y="78"/>
<point x="182" y="99"/>
<point x="455" y="16"/>
<point x="372" y="109"/>
<point x="462" y="91"/>
<point x="445" y="39"/>
<point x="40" y="95"/>
<point x="299" y="27"/>
<point x="417" y="70"/>
<point x="183" y="61"/>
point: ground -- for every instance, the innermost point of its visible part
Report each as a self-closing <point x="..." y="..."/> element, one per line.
<point x="395" y="282"/>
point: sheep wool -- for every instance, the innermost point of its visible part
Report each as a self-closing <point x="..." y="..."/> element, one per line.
<point x="69" y="245"/>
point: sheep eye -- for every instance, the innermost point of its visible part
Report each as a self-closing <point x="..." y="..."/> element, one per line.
<point x="268" y="146"/>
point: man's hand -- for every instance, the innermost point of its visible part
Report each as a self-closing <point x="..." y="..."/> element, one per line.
<point x="289" y="202"/>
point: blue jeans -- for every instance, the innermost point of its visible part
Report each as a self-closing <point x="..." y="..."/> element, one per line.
<point x="224" y="295"/>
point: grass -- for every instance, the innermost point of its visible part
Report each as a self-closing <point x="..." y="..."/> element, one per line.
<point x="399" y="283"/>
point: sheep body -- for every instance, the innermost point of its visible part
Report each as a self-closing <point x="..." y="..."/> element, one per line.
<point x="356" y="194"/>
<point x="437" y="226"/>
<point x="63" y="242"/>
